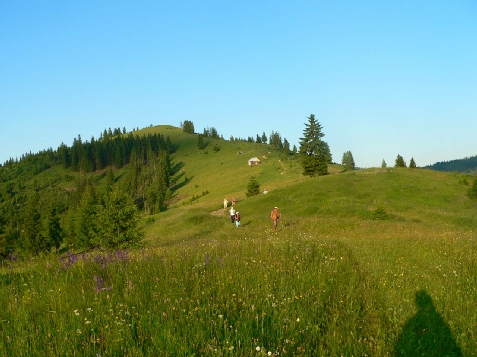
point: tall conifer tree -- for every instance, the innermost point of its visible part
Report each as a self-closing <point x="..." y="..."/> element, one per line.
<point x="313" y="150"/>
<point x="32" y="238"/>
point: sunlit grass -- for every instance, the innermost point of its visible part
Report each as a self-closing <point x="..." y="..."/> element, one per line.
<point x="308" y="292"/>
<point x="330" y="282"/>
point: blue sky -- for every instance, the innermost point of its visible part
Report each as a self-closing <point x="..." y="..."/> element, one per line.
<point x="382" y="77"/>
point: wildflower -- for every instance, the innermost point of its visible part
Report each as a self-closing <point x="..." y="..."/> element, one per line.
<point x="298" y="320"/>
<point x="269" y="353"/>
<point x="257" y="348"/>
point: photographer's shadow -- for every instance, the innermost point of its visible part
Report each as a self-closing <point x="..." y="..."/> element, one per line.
<point x="426" y="333"/>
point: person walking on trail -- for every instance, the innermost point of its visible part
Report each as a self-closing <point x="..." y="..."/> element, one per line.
<point x="233" y="200"/>
<point x="275" y="215"/>
<point x="237" y="219"/>
<point x="232" y="214"/>
<point x="225" y="203"/>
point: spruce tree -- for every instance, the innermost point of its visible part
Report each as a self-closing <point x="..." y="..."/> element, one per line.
<point x="347" y="161"/>
<point x="88" y="220"/>
<point x="399" y="162"/>
<point x="53" y="231"/>
<point x="383" y="164"/>
<point x="314" y="153"/>
<point x="253" y="187"/>
<point x="188" y="127"/>
<point x="120" y="220"/>
<point x="412" y="164"/>
<point x="31" y="234"/>
<point x="200" y="142"/>
<point x="264" y="138"/>
<point x="286" y="146"/>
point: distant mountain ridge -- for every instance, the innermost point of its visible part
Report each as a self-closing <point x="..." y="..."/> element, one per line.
<point x="467" y="165"/>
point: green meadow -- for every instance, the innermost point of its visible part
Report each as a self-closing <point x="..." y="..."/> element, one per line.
<point x="373" y="262"/>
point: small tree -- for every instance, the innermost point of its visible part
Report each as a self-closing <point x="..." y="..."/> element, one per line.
<point x="412" y="164"/>
<point x="399" y="162"/>
<point x="120" y="219"/>
<point x="383" y="164"/>
<point x="52" y="228"/>
<point x="253" y="187"/>
<point x="347" y="161"/>
<point x="314" y="152"/>
<point x="31" y="233"/>
<point x="200" y="142"/>
<point x="188" y="127"/>
<point x="286" y="146"/>
<point x="264" y="138"/>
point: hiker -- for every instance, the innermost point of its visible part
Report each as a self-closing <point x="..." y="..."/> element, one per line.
<point x="275" y="215"/>
<point x="233" y="201"/>
<point x="237" y="219"/>
<point x="232" y="214"/>
<point x="226" y="203"/>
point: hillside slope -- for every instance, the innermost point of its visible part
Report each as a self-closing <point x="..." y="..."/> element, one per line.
<point x="424" y="198"/>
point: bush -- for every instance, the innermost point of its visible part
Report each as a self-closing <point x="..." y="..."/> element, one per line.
<point x="379" y="214"/>
<point x="253" y="187"/>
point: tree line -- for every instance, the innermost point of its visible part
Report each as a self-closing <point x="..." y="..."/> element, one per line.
<point x="81" y="209"/>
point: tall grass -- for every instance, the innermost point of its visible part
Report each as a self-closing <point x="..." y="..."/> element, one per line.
<point x="295" y="293"/>
<point x="330" y="282"/>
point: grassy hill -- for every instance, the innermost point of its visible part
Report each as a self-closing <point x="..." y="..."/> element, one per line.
<point x="330" y="281"/>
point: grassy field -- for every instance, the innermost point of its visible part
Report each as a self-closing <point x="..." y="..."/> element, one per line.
<point x="331" y="281"/>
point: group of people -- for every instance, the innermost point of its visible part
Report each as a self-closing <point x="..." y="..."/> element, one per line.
<point x="235" y="215"/>
<point x="226" y="202"/>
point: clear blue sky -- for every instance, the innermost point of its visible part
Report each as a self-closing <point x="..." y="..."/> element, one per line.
<point x="382" y="77"/>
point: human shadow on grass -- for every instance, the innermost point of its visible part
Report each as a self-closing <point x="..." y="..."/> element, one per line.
<point x="426" y="333"/>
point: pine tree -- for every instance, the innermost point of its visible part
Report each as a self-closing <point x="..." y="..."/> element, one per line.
<point x="399" y="162"/>
<point x="88" y="220"/>
<point x="213" y="133"/>
<point x="286" y="146"/>
<point x="412" y="164"/>
<point x="276" y="140"/>
<point x="313" y="151"/>
<point x="200" y="142"/>
<point x="31" y="234"/>
<point x="347" y="161"/>
<point x="53" y="231"/>
<point x="383" y="164"/>
<point x="264" y="138"/>
<point x="188" y="127"/>
<point x="120" y="220"/>
<point x="253" y="187"/>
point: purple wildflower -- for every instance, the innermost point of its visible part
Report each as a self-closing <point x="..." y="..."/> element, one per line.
<point x="69" y="259"/>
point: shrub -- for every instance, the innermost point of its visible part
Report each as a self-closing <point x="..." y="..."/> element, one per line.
<point x="253" y="187"/>
<point x="379" y="214"/>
